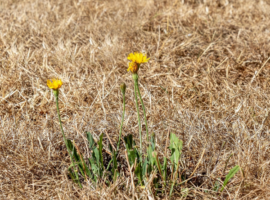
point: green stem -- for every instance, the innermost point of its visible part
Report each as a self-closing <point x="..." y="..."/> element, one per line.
<point x="138" y="112"/>
<point x="144" y="113"/>
<point x="174" y="179"/>
<point x="65" y="140"/>
<point x="122" y="122"/>
<point x="123" y="90"/>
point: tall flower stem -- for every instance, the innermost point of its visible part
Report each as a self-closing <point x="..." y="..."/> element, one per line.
<point x="135" y="78"/>
<point x="64" y="136"/>
<point x="123" y="116"/>
<point x="144" y="112"/>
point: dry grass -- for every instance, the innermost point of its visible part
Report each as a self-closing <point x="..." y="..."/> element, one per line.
<point x="207" y="81"/>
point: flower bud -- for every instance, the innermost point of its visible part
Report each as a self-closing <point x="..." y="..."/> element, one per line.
<point x="123" y="88"/>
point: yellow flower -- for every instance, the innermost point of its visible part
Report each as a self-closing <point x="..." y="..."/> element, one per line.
<point x="133" y="67"/>
<point x="55" y="84"/>
<point x="138" y="58"/>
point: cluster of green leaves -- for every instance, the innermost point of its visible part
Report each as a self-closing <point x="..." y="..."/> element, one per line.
<point x="94" y="167"/>
<point x="151" y="162"/>
<point x="144" y="166"/>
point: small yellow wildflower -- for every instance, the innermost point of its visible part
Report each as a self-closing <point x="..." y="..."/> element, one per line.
<point x="55" y="84"/>
<point x="133" y="67"/>
<point x="138" y="58"/>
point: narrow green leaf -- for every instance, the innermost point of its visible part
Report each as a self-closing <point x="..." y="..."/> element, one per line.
<point x="231" y="173"/>
<point x="138" y="173"/>
<point x="153" y="141"/>
<point x="129" y="141"/>
<point x="94" y="169"/>
<point x="73" y="151"/>
<point x="150" y="156"/>
<point x="70" y="145"/>
<point x="91" y="140"/>
<point x="96" y="156"/>
<point x="132" y="155"/>
<point x="144" y="169"/>
<point x="110" y="148"/>
<point x="100" y="147"/>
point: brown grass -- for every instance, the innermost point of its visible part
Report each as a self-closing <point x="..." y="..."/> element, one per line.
<point x="207" y="81"/>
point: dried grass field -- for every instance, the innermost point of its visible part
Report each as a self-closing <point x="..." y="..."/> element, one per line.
<point x="207" y="81"/>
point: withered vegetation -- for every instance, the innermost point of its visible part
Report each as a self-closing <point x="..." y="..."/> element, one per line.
<point x="207" y="81"/>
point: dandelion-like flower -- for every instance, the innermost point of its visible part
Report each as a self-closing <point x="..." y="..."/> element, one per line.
<point x="138" y="58"/>
<point x="55" y="84"/>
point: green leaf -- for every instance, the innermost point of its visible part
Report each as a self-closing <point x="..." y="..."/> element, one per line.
<point x="175" y="142"/>
<point x="73" y="151"/>
<point x="152" y="140"/>
<point x="96" y="156"/>
<point x="150" y="168"/>
<point x="94" y="169"/>
<point x="138" y="173"/>
<point x="132" y="155"/>
<point x="91" y="140"/>
<point x="100" y="147"/>
<point x="176" y="146"/>
<point x="110" y="148"/>
<point x="231" y="173"/>
<point x="114" y="170"/>
<point x="144" y="172"/>
<point x="128" y="141"/>
<point x="150" y="156"/>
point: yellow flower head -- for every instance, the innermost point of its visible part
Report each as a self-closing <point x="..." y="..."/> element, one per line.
<point x="133" y="67"/>
<point x="55" y="84"/>
<point x="138" y="58"/>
